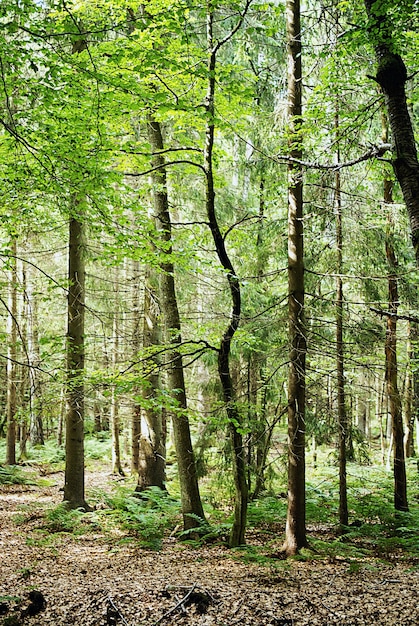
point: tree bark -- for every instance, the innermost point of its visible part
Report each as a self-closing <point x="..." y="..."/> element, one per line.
<point x="74" y="444"/>
<point x="340" y="357"/>
<point x="395" y="403"/>
<point x="152" y="442"/>
<point x="192" y="509"/>
<point x="11" y="369"/>
<point x="392" y="77"/>
<point x="114" y="416"/>
<point x="36" y="427"/>
<point x="295" y="531"/>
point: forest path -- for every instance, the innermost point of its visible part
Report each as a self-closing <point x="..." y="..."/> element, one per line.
<point x="95" y="579"/>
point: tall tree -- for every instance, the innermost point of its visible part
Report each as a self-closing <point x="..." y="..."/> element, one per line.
<point x="12" y="327"/>
<point x="295" y="530"/>
<point x="192" y="509"/>
<point x="391" y="375"/>
<point x="340" y="357"/>
<point x="235" y="421"/>
<point x="74" y="492"/>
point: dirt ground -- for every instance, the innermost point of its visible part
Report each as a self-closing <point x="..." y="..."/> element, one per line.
<point x="91" y="580"/>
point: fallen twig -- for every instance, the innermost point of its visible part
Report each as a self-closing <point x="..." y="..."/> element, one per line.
<point x="177" y="606"/>
<point x="116" y="610"/>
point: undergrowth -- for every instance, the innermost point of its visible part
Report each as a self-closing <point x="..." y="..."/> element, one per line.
<point x="14" y="475"/>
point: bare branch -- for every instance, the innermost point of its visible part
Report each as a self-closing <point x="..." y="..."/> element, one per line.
<point x="163" y="165"/>
<point x="235" y="29"/>
<point x="375" y="152"/>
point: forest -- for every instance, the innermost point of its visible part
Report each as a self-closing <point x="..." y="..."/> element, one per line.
<point x="209" y="309"/>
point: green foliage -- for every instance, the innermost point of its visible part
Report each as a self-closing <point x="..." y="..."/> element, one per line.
<point x="147" y="516"/>
<point x="267" y="512"/>
<point x="60" y="519"/>
<point x="14" y="475"/>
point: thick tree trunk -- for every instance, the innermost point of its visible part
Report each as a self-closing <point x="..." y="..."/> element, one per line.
<point x="11" y="369"/>
<point x="295" y="531"/>
<point x="392" y="76"/>
<point x="74" y="444"/>
<point x="192" y="509"/>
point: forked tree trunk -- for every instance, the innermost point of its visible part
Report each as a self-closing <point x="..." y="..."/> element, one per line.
<point x="74" y="494"/>
<point x="295" y="530"/>
<point x="192" y="509"/>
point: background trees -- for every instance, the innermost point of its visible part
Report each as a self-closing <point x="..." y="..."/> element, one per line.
<point x="177" y="149"/>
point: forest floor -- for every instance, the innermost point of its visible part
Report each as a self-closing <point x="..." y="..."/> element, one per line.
<point x="95" y="579"/>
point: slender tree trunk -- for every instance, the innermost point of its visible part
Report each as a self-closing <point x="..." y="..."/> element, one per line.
<point x="192" y="509"/>
<point x="152" y="442"/>
<point x="36" y="427"/>
<point x="74" y="443"/>
<point x="11" y="370"/>
<point x="237" y="536"/>
<point x="392" y="77"/>
<point x="399" y="468"/>
<point x="114" y="416"/>
<point x="295" y="531"/>
<point x="409" y="416"/>
<point x="136" y="334"/>
<point x="340" y="358"/>
<point x="262" y="432"/>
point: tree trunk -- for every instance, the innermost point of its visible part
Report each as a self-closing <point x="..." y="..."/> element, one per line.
<point x="36" y="427"/>
<point x="409" y="415"/>
<point x="340" y="365"/>
<point x="135" y="337"/>
<point x="11" y="370"/>
<point x="152" y="442"/>
<point x="192" y="509"/>
<point x="295" y="531"/>
<point x="237" y="536"/>
<point x="399" y="468"/>
<point x="74" y="442"/>
<point x="392" y="76"/>
<point x="114" y="417"/>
